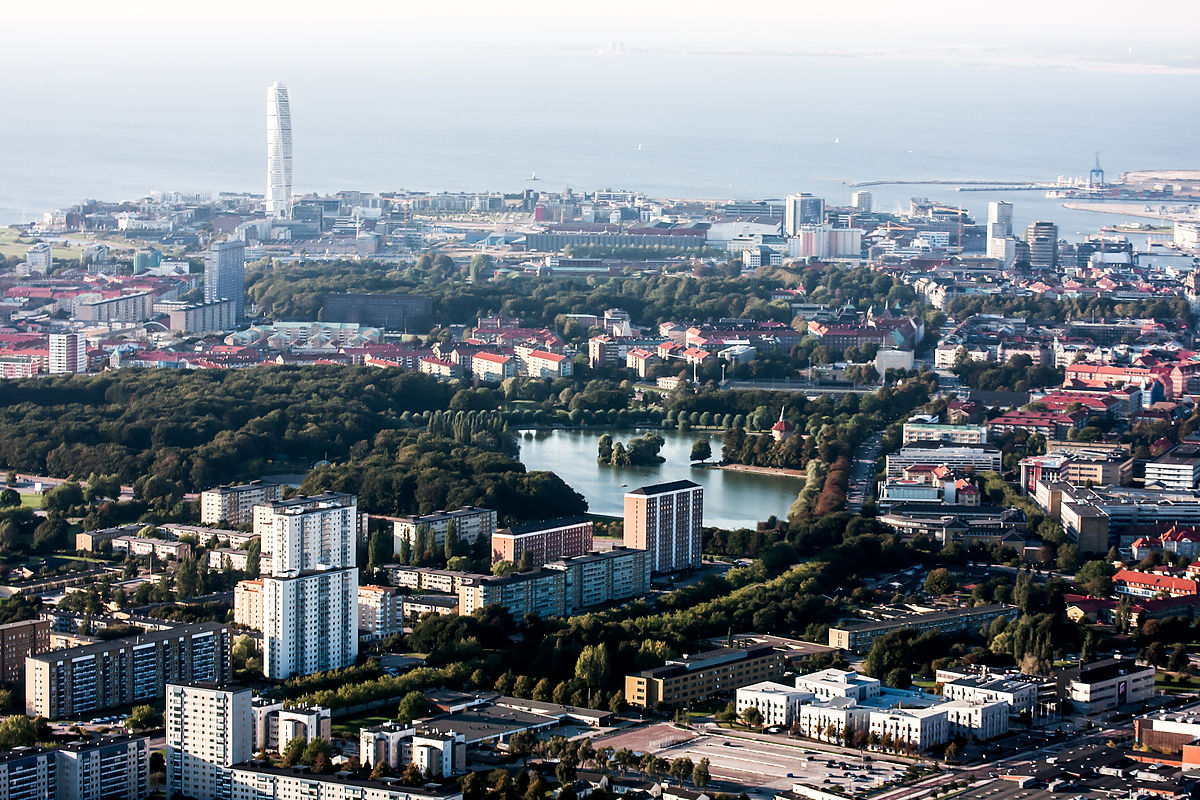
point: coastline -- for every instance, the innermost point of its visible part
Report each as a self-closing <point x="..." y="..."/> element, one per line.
<point x="787" y="473"/>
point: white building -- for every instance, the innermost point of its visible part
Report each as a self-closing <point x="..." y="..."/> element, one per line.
<point x="235" y="504"/>
<point x="262" y="782"/>
<point x="441" y="753"/>
<point x="310" y="588"/>
<point x="379" y="611"/>
<point x="276" y="725"/>
<point x="279" y="150"/>
<point x="829" y="720"/>
<point x="778" y="703"/>
<point x="68" y="353"/>
<point x="830" y="683"/>
<point x="209" y="729"/>
<point x="1019" y="696"/>
<point x="976" y="721"/>
<point x="919" y="728"/>
<point x="40" y="258"/>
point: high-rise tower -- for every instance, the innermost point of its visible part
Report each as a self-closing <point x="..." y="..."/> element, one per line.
<point x="279" y="150"/>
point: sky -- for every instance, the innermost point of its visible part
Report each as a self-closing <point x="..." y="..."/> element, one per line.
<point x="113" y="36"/>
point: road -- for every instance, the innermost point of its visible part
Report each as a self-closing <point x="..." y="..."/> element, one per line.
<point x="862" y="473"/>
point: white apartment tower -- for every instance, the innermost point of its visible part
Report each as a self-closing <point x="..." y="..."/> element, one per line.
<point x="209" y="729"/>
<point x="310" y="589"/>
<point x="279" y="150"/>
<point x="68" y="353"/>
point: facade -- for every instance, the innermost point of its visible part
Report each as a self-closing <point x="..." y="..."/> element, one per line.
<point x="778" y="703"/>
<point x="935" y="432"/>
<point x="17" y="367"/>
<point x="275" y="725"/>
<point x="1177" y="469"/>
<point x="493" y="367"/>
<point x="1021" y="697"/>
<point x="830" y="683"/>
<point x="1150" y="584"/>
<point x="379" y="611"/>
<point x="977" y="721"/>
<point x="828" y="720"/>
<point x="213" y="317"/>
<point x="800" y="210"/>
<point x="279" y="150"/>
<point x="415" y="606"/>
<point x="209" y="729"/>
<point x="68" y="353"/>
<point x="18" y="641"/>
<point x="542" y="592"/>
<point x="1106" y="685"/>
<point x="390" y="311"/>
<point x="225" y="275"/>
<point x="858" y="636"/>
<point x="541" y="364"/>
<point x="608" y="576"/>
<point x="144" y="546"/>
<point x="918" y="728"/>
<point x="258" y="781"/>
<point x="437" y="753"/>
<point x="108" y="768"/>
<point x="545" y="541"/>
<point x="1042" y="238"/>
<point x="248" y="604"/>
<point x="234" y="505"/>
<point x="980" y="458"/>
<point x="79" y="680"/>
<point x="40" y="258"/>
<point x="133" y="307"/>
<point x="307" y="532"/>
<point x="698" y="677"/>
<point x="665" y="520"/>
<point x="469" y="524"/>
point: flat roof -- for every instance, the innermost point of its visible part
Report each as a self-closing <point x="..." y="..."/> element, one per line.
<point x="149" y="637"/>
<point x="546" y="524"/>
<point x="663" y="488"/>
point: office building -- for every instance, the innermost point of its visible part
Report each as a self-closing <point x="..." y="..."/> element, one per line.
<point x="1178" y="468"/>
<point x="234" y="505"/>
<point x="544" y="541"/>
<point x="68" y="353"/>
<point x="859" y="636"/>
<point x="209" y="729"/>
<point x="935" y="432"/>
<point x="390" y="311"/>
<point x="861" y="201"/>
<point x="956" y="457"/>
<point x="258" y="780"/>
<point x="665" y="520"/>
<point x="1042" y="238"/>
<point x="829" y="720"/>
<point x="829" y="683"/>
<point x="1105" y="685"/>
<point x="691" y="678"/>
<point x="975" y="721"/>
<point x="468" y="522"/>
<point x="800" y="210"/>
<point x="279" y="151"/>
<point x="18" y="641"/>
<point x="1020" y="696"/>
<point x="777" y="703"/>
<point x="225" y="275"/>
<point x="379" y="611"/>
<point x="127" y="671"/>
<point x="107" y="768"/>
<point x="917" y="728"/>
<point x="215" y="317"/>
<point x="1000" y="217"/>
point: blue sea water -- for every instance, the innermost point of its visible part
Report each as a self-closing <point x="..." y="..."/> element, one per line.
<point x="670" y="124"/>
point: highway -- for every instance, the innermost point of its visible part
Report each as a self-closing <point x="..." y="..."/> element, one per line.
<point x="862" y="473"/>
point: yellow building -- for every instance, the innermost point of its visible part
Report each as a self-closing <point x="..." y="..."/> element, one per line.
<point x="697" y="677"/>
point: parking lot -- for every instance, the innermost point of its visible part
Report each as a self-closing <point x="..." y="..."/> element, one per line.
<point x="764" y="764"/>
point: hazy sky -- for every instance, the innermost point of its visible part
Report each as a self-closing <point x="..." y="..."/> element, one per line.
<point x="115" y="35"/>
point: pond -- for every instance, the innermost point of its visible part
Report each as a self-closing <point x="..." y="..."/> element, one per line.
<point x="731" y="499"/>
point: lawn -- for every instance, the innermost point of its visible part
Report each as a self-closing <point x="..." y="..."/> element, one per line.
<point x="31" y="500"/>
<point x="350" y="725"/>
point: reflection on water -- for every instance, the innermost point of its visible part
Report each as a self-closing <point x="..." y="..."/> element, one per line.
<point x="731" y="499"/>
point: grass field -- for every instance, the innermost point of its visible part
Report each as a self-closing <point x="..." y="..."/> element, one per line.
<point x="9" y="246"/>
<point x="350" y="725"/>
<point x="31" y="500"/>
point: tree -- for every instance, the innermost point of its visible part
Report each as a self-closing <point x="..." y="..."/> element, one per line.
<point x="10" y="498"/>
<point x="188" y="582"/>
<point x="50" y="532"/>
<point x="592" y="665"/>
<point x="899" y="678"/>
<point x="1087" y="653"/>
<point x="314" y="750"/>
<point x="253" y="556"/>
<point x="752" y="717"/>
<point x="144" y="718"/>
<point x="1068" y="557"/>
<point x="521" y="744"/>
<point x="8" y="535"/>
<point x="701" y="450"/>
<point x="1096" y="577"/>
<point x="700" y="774"/>
<point x="64" y="497"/>
<point x="17" y="731"/>
<point x="412" y="706"/>
<point x="952" y="751"/>
<point x="503" y="567"/>
<point x="939" y="581"/>
<point x="293" y="751"/>
<point x="1179" y="658"/>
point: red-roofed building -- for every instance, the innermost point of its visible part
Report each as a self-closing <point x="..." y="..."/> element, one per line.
<point x="493" y="367"/>
<point x="1050" y="424"/>
<point x="540" y="364"/>
<point x="1148" y="585"/>
<point x="641" y="360"/>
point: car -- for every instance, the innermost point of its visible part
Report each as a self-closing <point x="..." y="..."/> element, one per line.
<point x="790" y="775"/>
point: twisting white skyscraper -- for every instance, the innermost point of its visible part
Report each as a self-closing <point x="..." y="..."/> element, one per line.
<point x="279" y="150"/>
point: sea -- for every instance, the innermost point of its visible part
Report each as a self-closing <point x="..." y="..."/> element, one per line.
<point x="670" y="124"/>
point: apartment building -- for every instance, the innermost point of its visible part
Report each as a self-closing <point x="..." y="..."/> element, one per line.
<point x="493" y="367"/>
<point x="276" y="724"/>
<point x="469" y="523"/>
<point x="426" y="579"/>
<point x="608" y="576"/>
<point x="144" y="546"/>
<point x="778" y="703"/>
<point x="1151" y="584"/>
<point x="1177" y="469"/>
<point x="234" y="505"/>
<point x="441" y="753"/>
<point x="545" y="541"/>
<point x="379" y="611"/>
<point x="691" y="678"/>
<point x="415" y="606"/>
<point x="259" y="781"/>
<point x="132" y="307"/>
<point x="209" y="729"/>
<point x="310" y="589"/>
<point x="107" y="768"/>
<point x="921" y="431"/>
<point x="540" y="364"/>
<point x="859" y="636"/>
<point x="248" y="604"/>
<point x="18" y="641"/>
<point x="542" y="592"/>
<point x="665" y="520"/>
<point x="136" y="669"/>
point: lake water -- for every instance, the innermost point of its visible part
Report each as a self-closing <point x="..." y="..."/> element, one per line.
<point x="671" y="124"/>
<point x="731" y="499"/>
